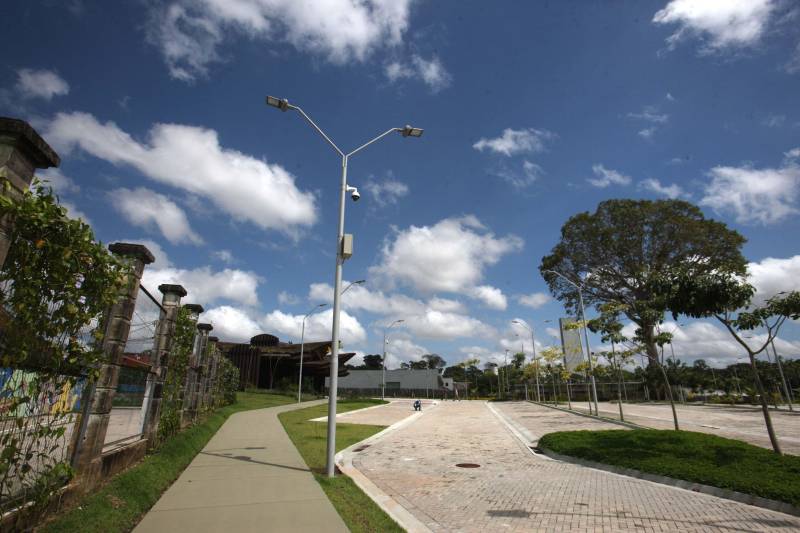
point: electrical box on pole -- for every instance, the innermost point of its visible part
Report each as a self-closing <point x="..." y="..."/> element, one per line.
<point x="347" y="246"/>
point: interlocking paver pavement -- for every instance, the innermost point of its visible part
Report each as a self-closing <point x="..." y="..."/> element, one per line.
<point x="741" y="423"/>
<point x="513" y="490"/>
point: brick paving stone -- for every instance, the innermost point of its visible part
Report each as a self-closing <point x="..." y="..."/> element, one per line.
<point x="514" y="490"/>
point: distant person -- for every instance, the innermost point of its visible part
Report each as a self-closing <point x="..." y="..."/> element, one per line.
<point x="418" y="405"/>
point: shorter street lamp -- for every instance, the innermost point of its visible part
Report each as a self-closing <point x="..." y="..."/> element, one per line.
<point x="533" y="347"/>
<point x="302" y="346"/>
<point x="383" y="360"/>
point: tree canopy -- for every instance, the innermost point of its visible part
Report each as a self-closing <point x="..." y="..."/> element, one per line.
<point x="617" y="253"/>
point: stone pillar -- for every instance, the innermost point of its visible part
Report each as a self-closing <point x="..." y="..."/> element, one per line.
<point x="87" y="442"/>
<point x="165" y="332"/>
<point x="213" y="372"/>
<point x="202" y="367"/>
<point x="22" y="151"/>
<point x="191" y="372"/>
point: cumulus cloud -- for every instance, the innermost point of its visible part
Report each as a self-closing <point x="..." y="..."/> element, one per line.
<point x="44" y="84"/>
<point x="189" y="33"/>
<point x="149" y="209"/>
<point x="231" y="324"/>
<point x="650" y="114"/>
<point x="670" y="191"/>
<point x="287" y="298"/>
<point x="773" y="275"/>
<point x="206" y="286"/>
<point x="224" y="255"/>
<point x="534" y="300"/>
<point x="513" y="142"/>
<point x="754" y="196"/>
<point x="449" y="256"/>
<point x="191" y="159"/>
<point x="402" y="350"/>
<point x="56" y="180"/>
<point x="520" y="179"/>
<point x="720" y="25"/>
<point x="446" y="305"/>
<point x="430" y="71"/>
<point x="490" y="296"/>
<point x="440" y="325"/>
<point x="318" y="326"/>
<point x="606" y="176"/>
<point x="74" y="212"/>
<point x="386" y="192"/>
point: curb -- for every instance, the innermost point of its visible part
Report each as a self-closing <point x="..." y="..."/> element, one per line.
<point x="727" y="494"/>
<point x="398" y="513"/>
<point x="630" y="425"/>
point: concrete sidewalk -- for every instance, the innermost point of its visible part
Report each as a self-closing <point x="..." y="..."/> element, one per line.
<point x="249" y="477"/>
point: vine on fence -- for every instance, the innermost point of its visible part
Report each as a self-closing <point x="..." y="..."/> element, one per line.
<point x="229" y="380"/>
<point x="179" y="358"/>
<point x="54" y="286"/>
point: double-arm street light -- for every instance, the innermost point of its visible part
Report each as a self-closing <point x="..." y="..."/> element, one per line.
<point x="406" y="131"/>
<point x="383" y="360"/>
<point x="302" y="346"/>
<point x="533" y="347"/>
<point x="579" y="288"/>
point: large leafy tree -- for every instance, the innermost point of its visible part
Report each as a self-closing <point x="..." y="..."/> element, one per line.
<point x="616" y="252"/>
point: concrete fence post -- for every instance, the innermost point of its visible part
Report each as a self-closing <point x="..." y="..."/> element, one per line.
<point x="214" y="373"/>
<point x="191" y="373"/>
<point x="87" y="442"/>
<point x="202" y="367"/>
<point x="22" y="151"/>
<point x="165" y="333"/>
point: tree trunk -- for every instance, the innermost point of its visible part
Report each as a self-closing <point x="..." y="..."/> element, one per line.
<point x="669" y="395"/>
<point x="619" y="381"/>
<point x="764" y="407"/>
<point x="649" y="343"/>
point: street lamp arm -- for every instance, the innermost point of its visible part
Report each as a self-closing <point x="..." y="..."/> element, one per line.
<point x="565" y="278"/>
<point x="319" y="130"/>
<point x="378" y="138"/>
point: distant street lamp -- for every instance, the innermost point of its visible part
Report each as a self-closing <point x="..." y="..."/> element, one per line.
<point x="533" y="347"/>
<point x="383" y="360"/>
<point x="406" y="131"/>
<point x="302" y="346"/>
<point x="585" y="333"/>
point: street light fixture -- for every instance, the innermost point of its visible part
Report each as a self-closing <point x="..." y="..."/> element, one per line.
<point x="383" y="360"/>
<point x="585" y="333"/>
<point x="533" y="347"/>
<point x="302" y="347"/>
<point x="359" y="282"/>
<point x="407" y="131"/>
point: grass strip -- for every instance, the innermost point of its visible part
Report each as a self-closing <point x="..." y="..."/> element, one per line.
<point x="358" y="511"/>
<point x="697" y="457"/>
<point x="121" y="503"/>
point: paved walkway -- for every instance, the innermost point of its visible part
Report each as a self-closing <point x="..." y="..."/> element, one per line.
<point x="514" y="490"/>
<point x="249" y="477"/>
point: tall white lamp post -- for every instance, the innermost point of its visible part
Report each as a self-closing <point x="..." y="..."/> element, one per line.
<point x="585" y="333"/>
<point x="383" y="360"/>
<point x="341" y="255"/>
<point x="533" y="347"/>
<point x="302" y="347"/>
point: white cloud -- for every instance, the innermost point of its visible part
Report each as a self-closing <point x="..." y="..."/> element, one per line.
<point x="670" y="97"/>
<point x="430" y="71"/>
<point x="287" y="298"/>
<point x="205" y="286"/>
<point x="318" y="326"/>
<point x="490" y="296"/>
<point x="359" y="297"/>
<point x="606" y="177"/>
<point x="149" y="209"/>
<point x="446" y="305"/>
<point x="764" y="196"/>
<point x="647" y="133"/>
<point x="773" y="275"/>
<point x="44" y="84"/>
<point x="670" y="191"/>
<point x="793" y="65"/>
<point x="56" y="180"/>
<point x="190" y="158"/>
<point x="650" y="114"/>
<point x="190" y="32"/>
<point x="721" y="24"/>
<point x="224" y="255"/>
<point x="446" y="326"/>
<point x="231" y="324"/>
<point x="401" y="350"/>
<point x="513" y="142"/>
<point x="531" y="172"/>
<point x="74" y="212"/>
<point x="792" y="155"/>
<point x="773" y="120"/>
<point x="534" y="300"/>
<point x="449" y="256"/>
<point x="386" y="192"/>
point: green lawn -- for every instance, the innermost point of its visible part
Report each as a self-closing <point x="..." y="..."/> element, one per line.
<point x="697" y="457"/>
<point x="357" y="510"/>
<point x="119" y="505"/>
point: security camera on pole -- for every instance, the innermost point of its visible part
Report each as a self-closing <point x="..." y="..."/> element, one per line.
<point x="344" y="249"/>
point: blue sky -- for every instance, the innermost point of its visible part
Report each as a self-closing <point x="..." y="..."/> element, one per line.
<point x="532" y="112"/>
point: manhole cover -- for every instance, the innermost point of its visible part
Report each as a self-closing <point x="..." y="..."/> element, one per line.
<point x="468" y="465"/>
